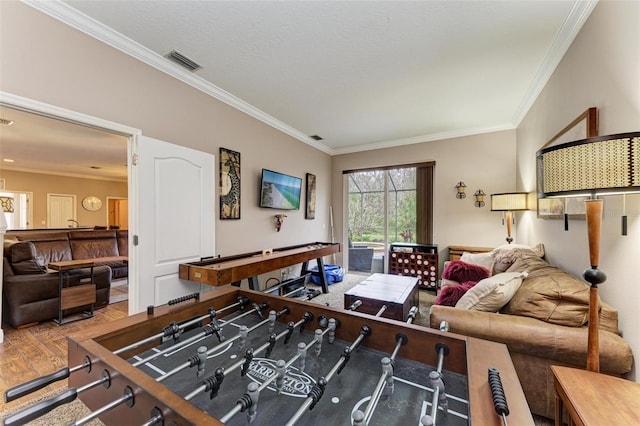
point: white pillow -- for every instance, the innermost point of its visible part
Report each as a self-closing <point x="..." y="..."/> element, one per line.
<point x="492" y="293"/>
<point x="481" y="259"/>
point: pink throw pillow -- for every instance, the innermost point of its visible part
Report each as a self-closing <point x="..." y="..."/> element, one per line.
<point x="450" y="294"/>
<point x="462" y="272"/>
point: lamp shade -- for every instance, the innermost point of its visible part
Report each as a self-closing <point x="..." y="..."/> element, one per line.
<point x="509" y="201"/>
<point x="600" y="165"/>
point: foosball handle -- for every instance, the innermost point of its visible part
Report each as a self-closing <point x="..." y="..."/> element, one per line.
<point x="497" y="392"/>
<point x="38" y="410"/>
<point x="34" y="385"/>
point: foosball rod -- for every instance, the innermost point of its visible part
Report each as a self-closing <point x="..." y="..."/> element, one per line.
<point x="196" y="338"/>
<point x="188" y="364"/>
<point x="205" y="385"/>
<point x="128" y="397"/>
<point x="241" y="303"/>
<point x="436" y="380"/>
<point x="43" y="407"/>
<point x="46" y="406"/>
<point x="40" y="382"/>
<point x="241" y="405"/>
<point x="314" y="396"/>
<point x="377" y="392"/>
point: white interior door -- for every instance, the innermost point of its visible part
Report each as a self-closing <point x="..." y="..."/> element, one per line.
<point x="60" y="209"/>
<point x="173" y="221"/>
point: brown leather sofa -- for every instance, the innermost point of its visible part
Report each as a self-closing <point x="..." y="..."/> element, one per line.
<point x="105" y="247"/>
<point x="531" y="325"/>
<point x="30" y="291"/>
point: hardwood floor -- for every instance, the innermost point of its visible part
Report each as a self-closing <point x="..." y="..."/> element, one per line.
<point x="42" y="349"/>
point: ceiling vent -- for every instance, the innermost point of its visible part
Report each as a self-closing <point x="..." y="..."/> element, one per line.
<point x="182" y="60"/>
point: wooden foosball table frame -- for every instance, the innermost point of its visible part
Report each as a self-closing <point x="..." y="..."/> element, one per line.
<point x="469" y="356"/>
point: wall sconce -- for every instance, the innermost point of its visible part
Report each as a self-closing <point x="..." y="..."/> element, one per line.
<point x="460" y="187"/>
<point x="602" y="165"/>
<point x="508" y="203"/>
<point x="279" y="221"/>
<point x="7" y="204"/>
<point x="479" y="198"/>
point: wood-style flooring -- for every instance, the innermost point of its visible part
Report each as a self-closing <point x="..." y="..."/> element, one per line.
<point x="36" y="351"/>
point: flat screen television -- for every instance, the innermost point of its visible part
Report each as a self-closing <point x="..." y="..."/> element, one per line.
<point x="280" y="191"/>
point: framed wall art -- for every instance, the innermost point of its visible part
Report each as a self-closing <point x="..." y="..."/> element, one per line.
<point x="229" y="184"/>
<point x="555" y="208"/>
<point x="310" y="212"/>
<point x="582" y="127"/>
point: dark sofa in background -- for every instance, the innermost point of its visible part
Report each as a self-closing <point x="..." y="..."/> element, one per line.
<point x="30" y="291"/>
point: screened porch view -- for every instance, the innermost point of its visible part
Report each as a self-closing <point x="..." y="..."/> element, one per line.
<point x="371" y="227"/>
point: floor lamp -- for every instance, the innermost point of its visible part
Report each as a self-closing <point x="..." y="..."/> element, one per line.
<point x="604" y="165"/>
<point x="509" y="202"/>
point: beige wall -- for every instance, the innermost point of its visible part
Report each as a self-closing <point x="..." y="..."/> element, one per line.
<point x="50" y="62"/>
<point x="481" y="162"/>
<point x="600" y="69"/>
<point x="41" y="185"/>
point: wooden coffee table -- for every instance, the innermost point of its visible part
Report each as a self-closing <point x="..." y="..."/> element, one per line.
<point x="398" y="293"/>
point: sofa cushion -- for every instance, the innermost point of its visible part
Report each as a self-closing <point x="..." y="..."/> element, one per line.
<point x="549" y="294"/>
<point x="24" y="260"/>
<point x="122" y="235"/>
<point x="93" y="244"/>
<point x="491" y="294"/>
<point x="50" y="246"/>
<point x="462" y="272"/>
<point x="483" y="259"/>
<point x="505" y="255"/>
<point x="450" y="294"/>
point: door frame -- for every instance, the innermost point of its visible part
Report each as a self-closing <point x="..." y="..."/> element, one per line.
<point x="132" y="134"/>
<point x="107" y="202"/>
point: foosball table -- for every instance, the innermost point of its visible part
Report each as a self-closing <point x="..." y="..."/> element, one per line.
<point x="235" y="356"/>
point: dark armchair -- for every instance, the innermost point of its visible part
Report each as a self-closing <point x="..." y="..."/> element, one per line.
<point x="360" y="257"/>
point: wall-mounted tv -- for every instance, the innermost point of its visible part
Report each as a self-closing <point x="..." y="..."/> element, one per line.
<point x="280" y="191"/>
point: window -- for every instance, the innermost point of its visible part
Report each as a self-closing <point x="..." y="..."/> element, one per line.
<point x="388" y="205"/>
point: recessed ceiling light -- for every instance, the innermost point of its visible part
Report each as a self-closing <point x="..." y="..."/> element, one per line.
<point x="6" y="121"/>
<point x="7" y="160"/>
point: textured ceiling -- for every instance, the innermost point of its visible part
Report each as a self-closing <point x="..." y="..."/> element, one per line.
<point x="361" y="74"/>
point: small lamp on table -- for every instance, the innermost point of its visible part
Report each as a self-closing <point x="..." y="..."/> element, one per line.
<point x="509" y="202"/>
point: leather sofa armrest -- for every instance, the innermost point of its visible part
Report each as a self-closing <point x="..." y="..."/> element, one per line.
<point x="537" y="338"/>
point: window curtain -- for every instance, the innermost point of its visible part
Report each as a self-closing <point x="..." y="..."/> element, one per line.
<point x="424" y="203"/>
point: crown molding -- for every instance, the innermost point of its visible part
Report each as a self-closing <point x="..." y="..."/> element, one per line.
<point x="75" y="19"/>
<point x="423" y="138"/>
<point x="579" y="14"/>
<point x="66" y="14"/>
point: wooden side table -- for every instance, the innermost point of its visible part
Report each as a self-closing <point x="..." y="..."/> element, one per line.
<point x="595" y="399"/>
<point x="78" y="295"/>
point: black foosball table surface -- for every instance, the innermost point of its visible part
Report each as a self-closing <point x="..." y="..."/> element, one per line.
<point x="346" y="392"/>
<point x="464" y="368"/>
